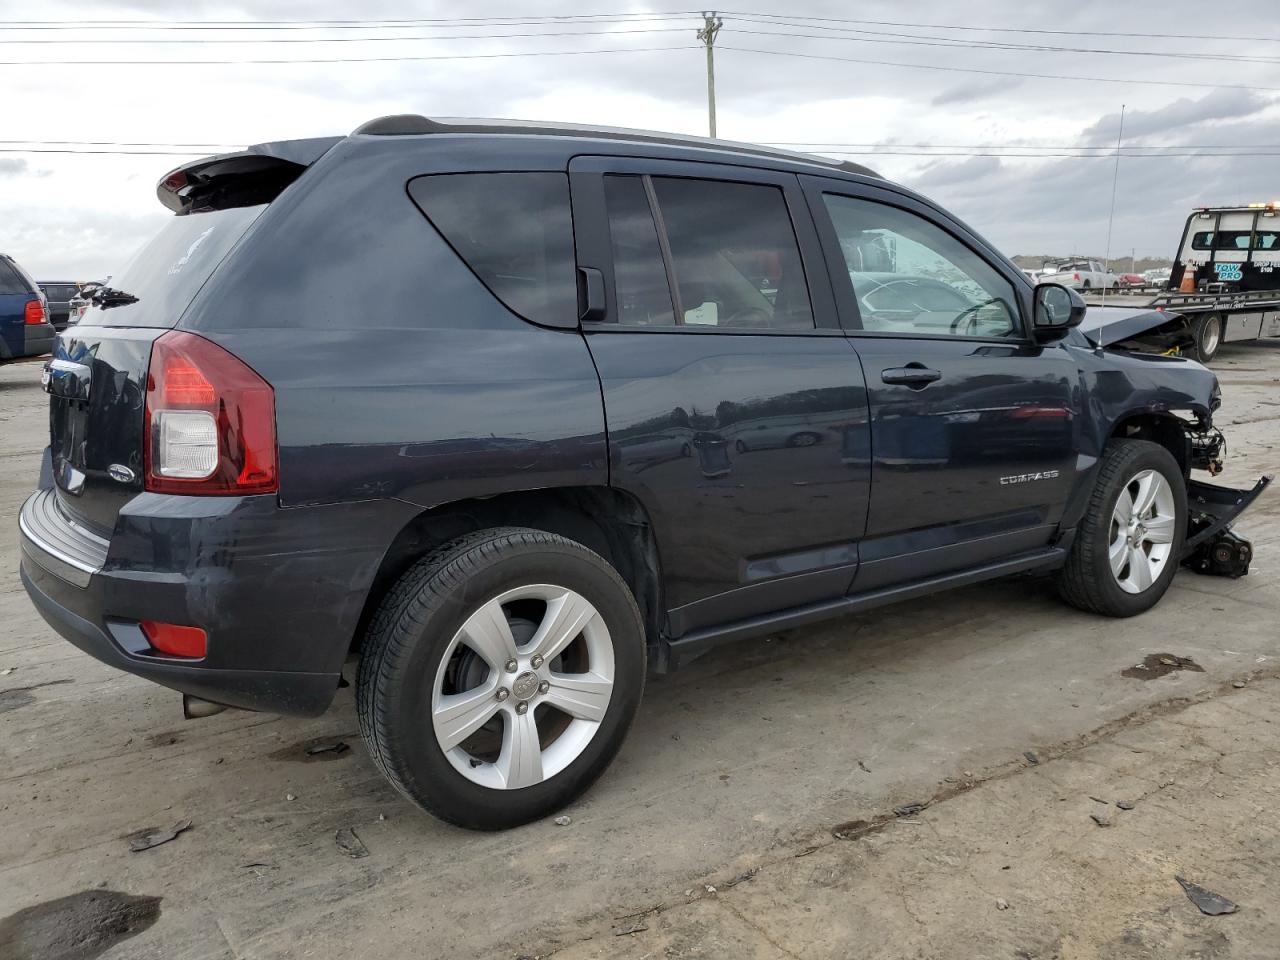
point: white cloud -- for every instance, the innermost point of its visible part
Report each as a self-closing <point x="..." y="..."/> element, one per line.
<point x="82" y="216"/>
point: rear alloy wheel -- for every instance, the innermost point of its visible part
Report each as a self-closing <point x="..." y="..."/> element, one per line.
<point x="1128" y="545"/>
<point x="1207" y="331"/>
<point x="500" y="676"/>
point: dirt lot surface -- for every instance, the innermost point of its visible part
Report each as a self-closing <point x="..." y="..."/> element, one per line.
<point x="768" y="771"/>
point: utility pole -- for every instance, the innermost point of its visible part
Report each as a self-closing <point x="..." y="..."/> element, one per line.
<point x="711" y="26"/>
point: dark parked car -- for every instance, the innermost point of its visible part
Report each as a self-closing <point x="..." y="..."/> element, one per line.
<point x="25" y="330"/>
<point x="512" y="496"/>
<point x="59" y="296"/>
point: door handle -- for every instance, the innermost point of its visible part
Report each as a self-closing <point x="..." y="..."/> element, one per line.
<point x="913" y="375"/>
<point x="591" y="295"/>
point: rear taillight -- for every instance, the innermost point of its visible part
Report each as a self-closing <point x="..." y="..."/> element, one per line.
<point x="1077" y="276"/>
<point x="210" y="421"/>
<point x="34" y="313"/>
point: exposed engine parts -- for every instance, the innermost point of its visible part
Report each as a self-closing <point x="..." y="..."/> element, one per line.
<point x="1207" y="447"/>
<point x="1226" y="554"/>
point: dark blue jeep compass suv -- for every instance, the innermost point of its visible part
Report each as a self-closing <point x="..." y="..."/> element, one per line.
<point x="518" y="413"/>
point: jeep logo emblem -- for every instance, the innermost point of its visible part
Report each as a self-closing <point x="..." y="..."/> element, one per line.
<point x="526" y="686"/>
<point x="120" y="473"/>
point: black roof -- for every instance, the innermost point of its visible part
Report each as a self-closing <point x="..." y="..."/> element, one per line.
<point x="412" y="124"/>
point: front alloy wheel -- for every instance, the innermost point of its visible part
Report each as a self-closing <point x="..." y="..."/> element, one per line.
<point x="1128" y="544"/>
<point x="1142" y="528"/>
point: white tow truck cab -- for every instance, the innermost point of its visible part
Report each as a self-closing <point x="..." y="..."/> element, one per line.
<point x="1229" y="249"/>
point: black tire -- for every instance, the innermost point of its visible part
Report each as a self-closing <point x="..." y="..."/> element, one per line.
<point x="1207" y="331"/>
<point x="1086" y="581"/>
<point x="413" y="629"/>
<point x="1086" y="285"/>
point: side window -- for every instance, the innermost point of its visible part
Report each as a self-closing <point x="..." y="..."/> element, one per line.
<point x="733" y="253"/>
<point x="913" y="277"/>
<point x="514" y="230"/>
<point x="10" y="281"/>
<point x="644" y="296"/>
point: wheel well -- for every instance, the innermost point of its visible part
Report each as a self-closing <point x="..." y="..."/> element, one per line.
<point x="612" y="523"/>
<point x="1158" y="428"/>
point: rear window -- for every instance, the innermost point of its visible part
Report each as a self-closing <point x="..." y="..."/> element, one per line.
<point x="1235" y="240"/>
<point x="59" y="291"/>
<point x="11" y="281"/>
<point x="515" y="232"/>
<point x="168" y="272"/>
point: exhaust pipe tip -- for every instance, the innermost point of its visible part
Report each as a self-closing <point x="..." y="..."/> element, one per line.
<point x="193" y="708"/>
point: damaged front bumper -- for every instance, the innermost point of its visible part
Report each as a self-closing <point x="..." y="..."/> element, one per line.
<point x="1210" y="546"/>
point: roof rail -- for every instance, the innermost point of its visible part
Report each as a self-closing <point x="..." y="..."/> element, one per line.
<point x="412" y="124"/>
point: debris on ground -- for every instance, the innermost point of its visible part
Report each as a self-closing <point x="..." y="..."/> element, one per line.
<point x="635" y="926"/>
<point x="1001" y="903"/>
<point x="153" y="838"/>
<point x="1125" y="804"/>
<point x="563" y="821"/>
<point x="1105" y="803"/>
<point x="257" y="863"/>
<point x="863" y="767"/>
<point x="1031" y="757"/>
<point x="849" y="830"/>
<point x="1238" y="684"/>
<point x="6" y="671"/>
<point x="291" y="796"/>
<point x="1100" y="819"/>
<point x="1209" y="903"/>
<point x="337" y="746"/>
<point x="709" y="888"/>
<point x="1159" y="665"/>
<point x="909" y="809"/>
<point x="350" y="844"/>
<point x="742" y="877"/>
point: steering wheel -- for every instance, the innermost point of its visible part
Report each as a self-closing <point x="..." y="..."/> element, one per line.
<point x="751" y="317"/>
<point x="969" y="315"/>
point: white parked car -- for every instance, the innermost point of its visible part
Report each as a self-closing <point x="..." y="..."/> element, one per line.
<point x="1080" y="275"/>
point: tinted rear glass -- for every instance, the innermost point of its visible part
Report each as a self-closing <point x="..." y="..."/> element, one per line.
<point x="166" y="273"/>
<point x="59" y="291"/>
<point x="514" y="230"/>
<point x="10" y="280"/>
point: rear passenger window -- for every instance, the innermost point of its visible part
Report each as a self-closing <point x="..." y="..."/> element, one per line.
<point x="514" y="230"/>
<point x="10" y="281"/>
<point x="733" y="255"/>
<point x="644" y="296"/>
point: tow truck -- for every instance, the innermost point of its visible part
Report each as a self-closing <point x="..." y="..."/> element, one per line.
<point x="1225" y="281"/>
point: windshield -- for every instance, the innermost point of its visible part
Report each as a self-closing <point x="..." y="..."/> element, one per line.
<point x="166" y="274"/>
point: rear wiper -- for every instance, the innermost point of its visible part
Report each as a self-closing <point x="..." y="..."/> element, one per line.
<point x="105" y="297"/>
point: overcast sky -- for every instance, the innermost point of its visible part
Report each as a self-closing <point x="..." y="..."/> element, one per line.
<point x="76" y="217"/>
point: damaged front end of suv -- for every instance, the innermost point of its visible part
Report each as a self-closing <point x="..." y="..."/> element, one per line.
<point x="1147" y="344"/>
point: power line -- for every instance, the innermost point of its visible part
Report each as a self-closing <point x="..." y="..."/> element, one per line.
<point x="997" y="73"/>
<point x="251" y="61"/>
<point x="816" y="145"/>
<point x="257" y="40"/>
<point x="957" y="26"/>
<point x="922" y="40"/>
<point x="440" y="23"/>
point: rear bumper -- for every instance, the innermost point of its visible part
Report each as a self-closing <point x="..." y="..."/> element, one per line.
<point x="278" y="591"/>
<point x="274" y="691"/>
<point x="38" y="339"/>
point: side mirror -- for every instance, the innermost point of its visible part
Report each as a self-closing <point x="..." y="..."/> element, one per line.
<point x="1058" y="309"/>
